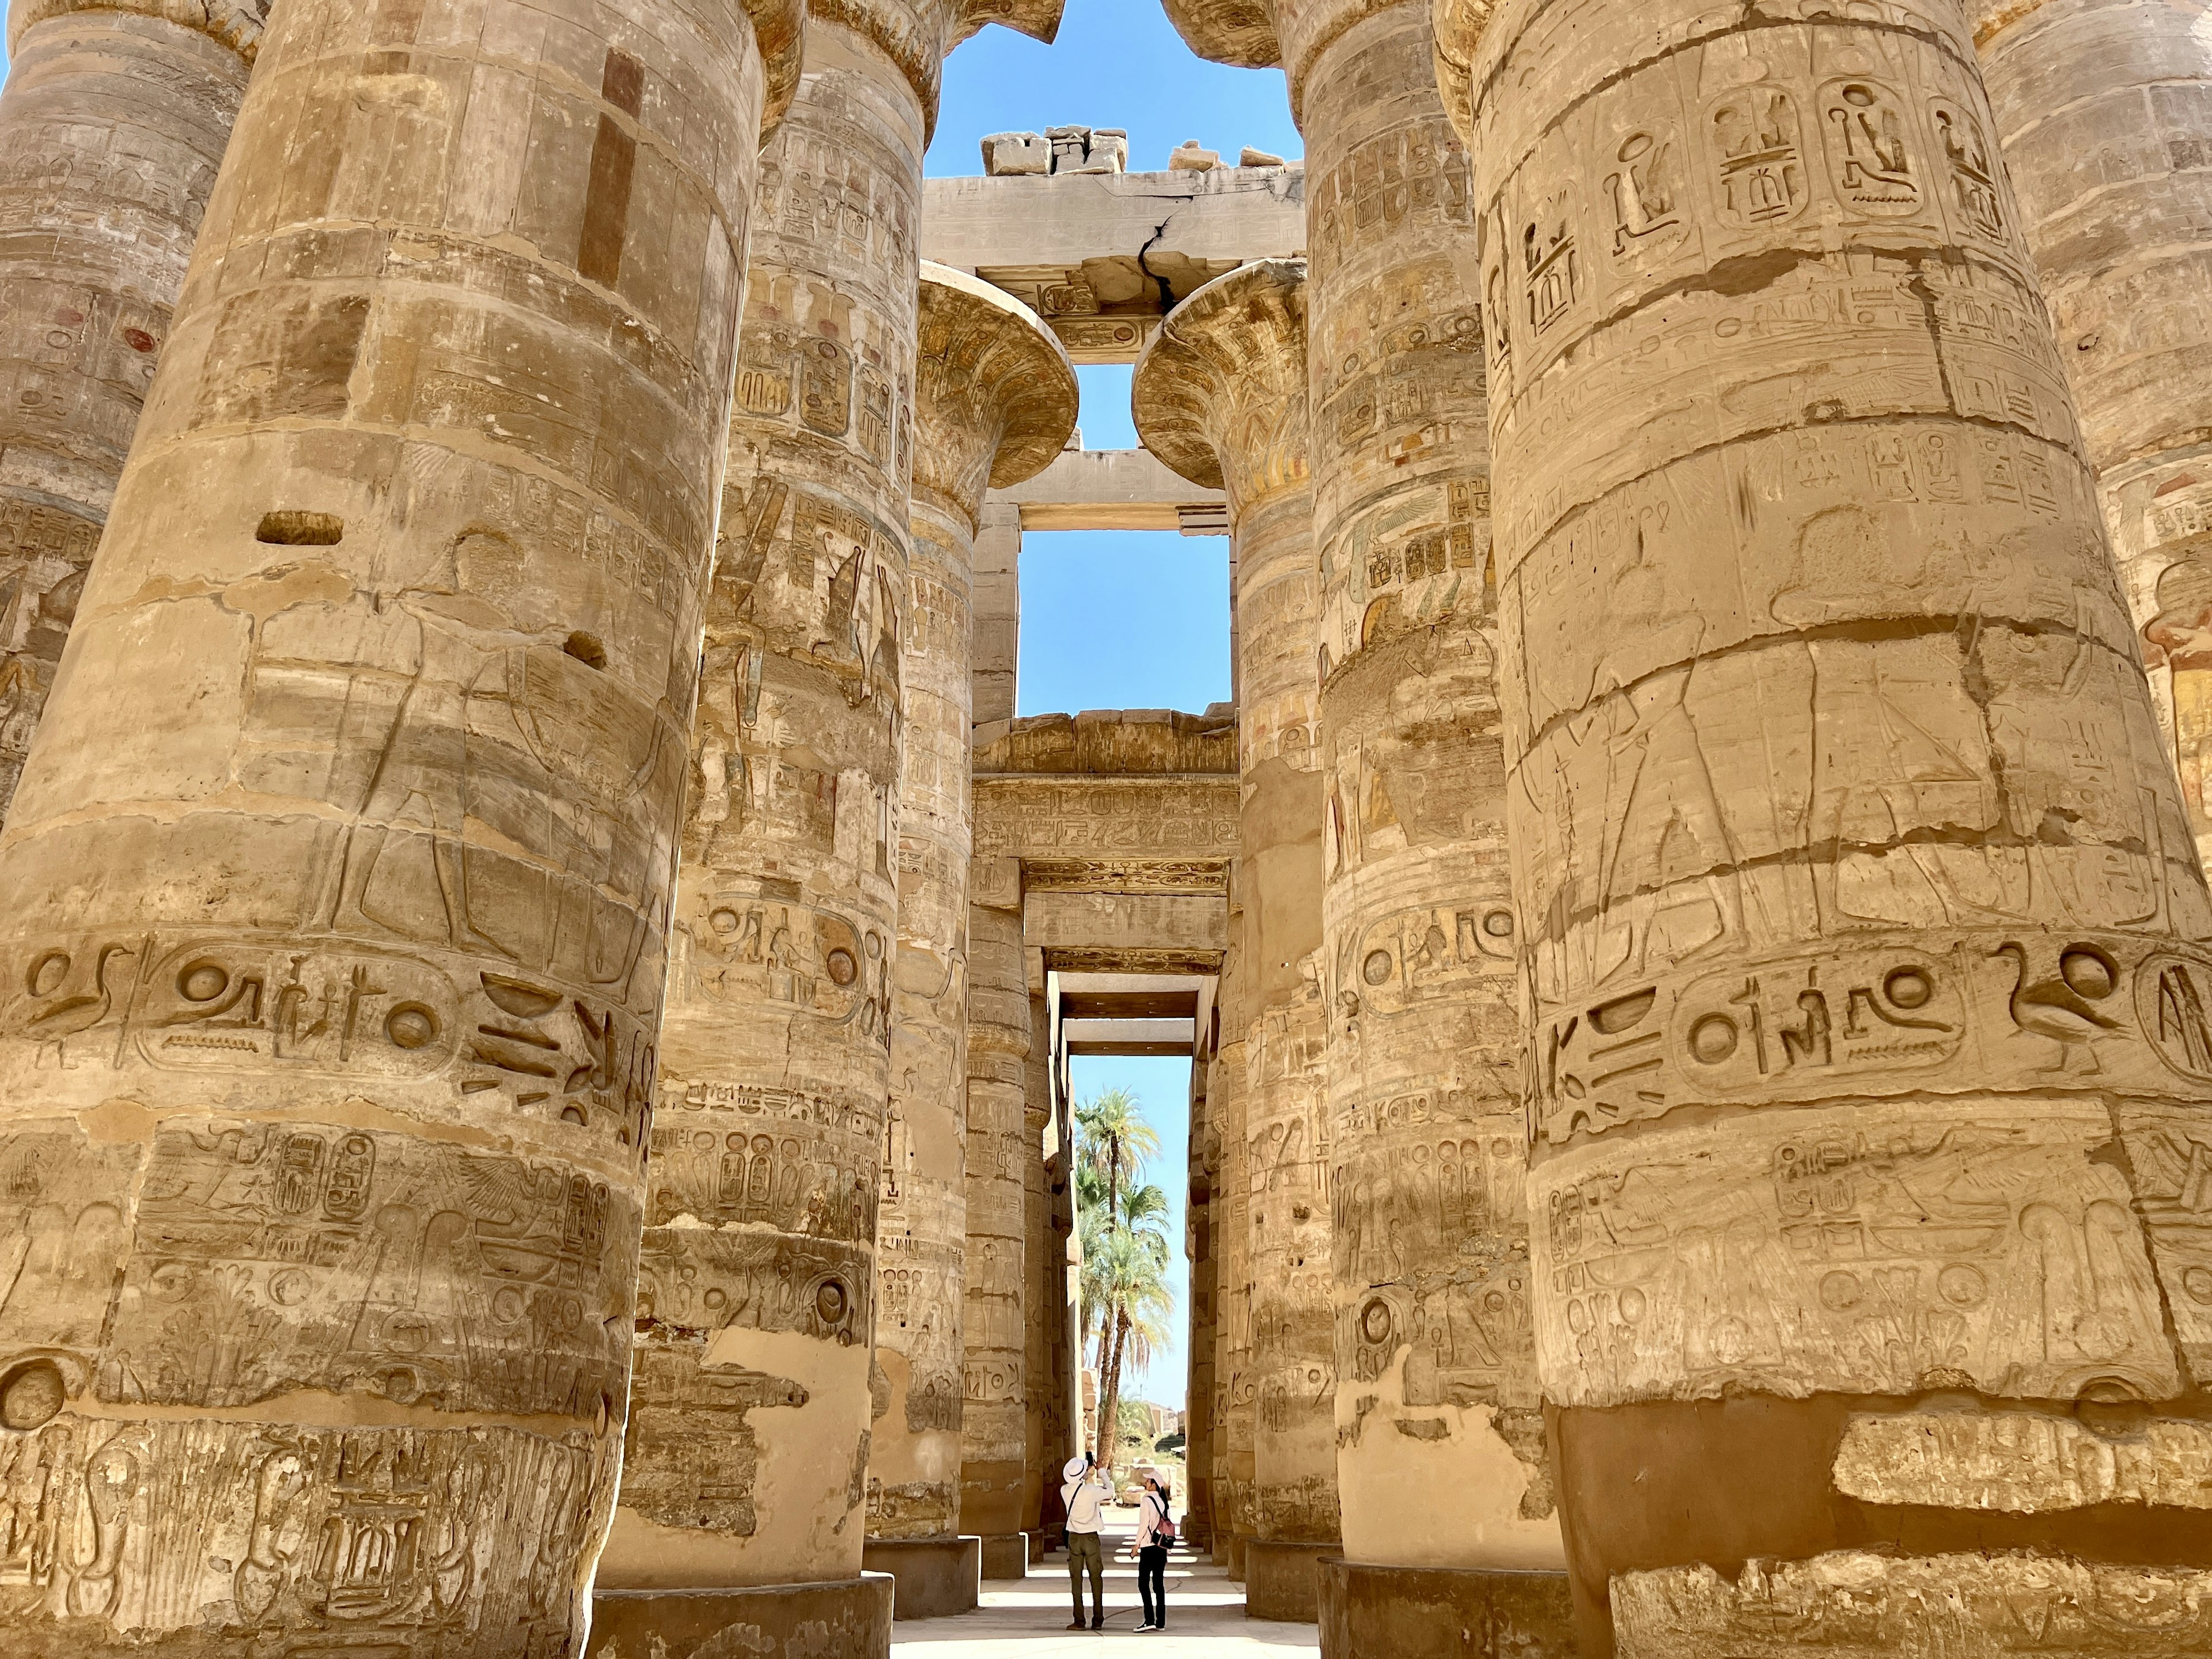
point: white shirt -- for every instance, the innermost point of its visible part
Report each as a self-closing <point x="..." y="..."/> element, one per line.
<point x="1084" y="1498"/>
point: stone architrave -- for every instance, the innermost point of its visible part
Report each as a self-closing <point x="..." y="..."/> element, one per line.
<point x="1868" y="1056"/>
<point x="332" y="897"/>
<point x="113" y="126"/>
<point x="1220" y="397"/>
<point x="2104" y="113"/>
<point x="995" y="401"/>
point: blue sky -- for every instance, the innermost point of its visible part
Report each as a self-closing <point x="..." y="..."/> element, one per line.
<point x="1115" y="619"/>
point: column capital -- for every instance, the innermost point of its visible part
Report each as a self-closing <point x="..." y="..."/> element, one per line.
<point x="237" y="24"/>
<point x="780" y="33"/>
<point x="1221" y="393"/>
<point x="917" y="34"/>
<point x="1286" y="34"/>
<point x="1992" y="18"/>
<point x="994" y="395"/>
<point x="1459" y="26"/>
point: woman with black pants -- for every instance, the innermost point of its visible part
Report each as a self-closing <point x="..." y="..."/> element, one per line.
<point x="1153" y="1532"/>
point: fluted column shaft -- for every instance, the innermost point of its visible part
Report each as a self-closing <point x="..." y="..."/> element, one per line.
<point x="2104" y="112"/>
<point x="335" y="887"/>
<point x="112" y="126"/>
<point x="759" y="1276"/>
<point x="1856" y="893"/>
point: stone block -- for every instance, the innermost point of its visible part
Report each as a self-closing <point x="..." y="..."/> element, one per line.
<point x="1282" y="1581"/>
<point x="1017" y="154"/>
<point x="1191" y="156"/>
<point x="1259" y="158"/>
<point x="851" y="1618"/>
<point x="1442" y="1613"/>
<point x="936" y="1577"/>
<point x="1006" y="1556"/>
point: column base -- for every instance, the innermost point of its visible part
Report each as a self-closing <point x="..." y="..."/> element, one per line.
<point x="1007" y="1555"/>
<point x="937" y="1576"/>
<point x="1232" y="1555"/>
<point x="1282" y="1581"/>
<point x="1042" y="1544"/>
<point x="1368" y="1612"/>
<point x="849" y="1617"/>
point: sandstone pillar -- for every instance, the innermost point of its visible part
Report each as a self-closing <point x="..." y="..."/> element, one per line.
<point x="2104" y="113"/>
<point x="1004" y="1162"/>
<point x="1867" y="1061"/>
<point x="1232" y="1352"/>
<point x="1435" y="1353"/>
<point x="747" y="1455"/>
<point x="1053" y="1380"/>
<point x="1203" y="1170"/>
<point x="112" y="126"/>
<point x="994" y="403"/>
<point x="1220" y="397"/>
<point x="333" y="894"/>
<point x="995" y="400"/>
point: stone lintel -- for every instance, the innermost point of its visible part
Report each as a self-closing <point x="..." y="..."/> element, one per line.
<point x="1101" y="257"/>
<point x="1150" y="921"/>
<point x="1109" y="490"/>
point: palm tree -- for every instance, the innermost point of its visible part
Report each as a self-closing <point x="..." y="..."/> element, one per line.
<point x="1115" y="1142"/>
<point x="1123" y="1219"/>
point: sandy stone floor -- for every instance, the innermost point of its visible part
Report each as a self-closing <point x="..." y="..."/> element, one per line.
<point x="1028" y="1620"/>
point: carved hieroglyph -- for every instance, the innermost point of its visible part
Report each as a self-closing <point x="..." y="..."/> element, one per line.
<point x="112" y="126"/>
<point x="1233" y="1392"/>
<point x="332" y="902"/>
<point x="1869" y="1046"/>
<point x="1005" y="1161"/>
<point x="1435" y="1349"/>
<point x="1200" y="1435"/>
<point x="995" y="401"/>
<point x="760" y="1280"/>
<point x="1220" y="397"/>
<point x="2104" y="112"/>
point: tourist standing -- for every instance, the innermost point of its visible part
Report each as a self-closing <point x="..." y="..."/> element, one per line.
<point x="1155" y="1531"/>
<point x="1084" y="1492"/>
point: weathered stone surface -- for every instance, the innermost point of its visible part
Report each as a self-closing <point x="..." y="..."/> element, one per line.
<point x="1462" y="1613"/>
<point x="760" y="1282"/>
<point x="1220" y="397"/>
<point x="936" y="1577"/>
<point x="335" y="886"/>
<point x="1858" y="1605"/>
<point x="995" y="400"/>
<point x="2104" y="111"/>
<point x="112" y="124"/>
<point x="1113" y="743"/>
<point x="1845" y="845"/>
<point x="1091" y="252"/>
<point x="851" y="1620"/>
<point x="1435" y="1347"/>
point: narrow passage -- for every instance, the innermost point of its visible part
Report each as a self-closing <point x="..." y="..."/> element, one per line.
<point x="1029" y="1619"/>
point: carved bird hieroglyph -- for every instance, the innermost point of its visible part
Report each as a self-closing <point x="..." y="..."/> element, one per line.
<point x="2061" y="1007"/>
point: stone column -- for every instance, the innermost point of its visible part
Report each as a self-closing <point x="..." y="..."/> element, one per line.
<point x="1051" y="1381"/>
<point x="1220" y="397"/>
<point x="2104" y="113"/>
<point x="747" y="1455"/>
<point x="998" y="610"/>
<point x="1868" y="1057"/>
<point x="1003" y="1161"/>
<point x="1203" y="1168"/>
<point x="995" y="400"/>
<point x="1232" y="1354"/>
<point x="112" y="124"/>
<point x="332" y="898"/>
<point x="1435" y="1353"/>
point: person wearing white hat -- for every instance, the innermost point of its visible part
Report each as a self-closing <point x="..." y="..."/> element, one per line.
<point x="1084" y="1491"/>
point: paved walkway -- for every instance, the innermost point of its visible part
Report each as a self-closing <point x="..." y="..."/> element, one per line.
<point x="1029" y="1619"/>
